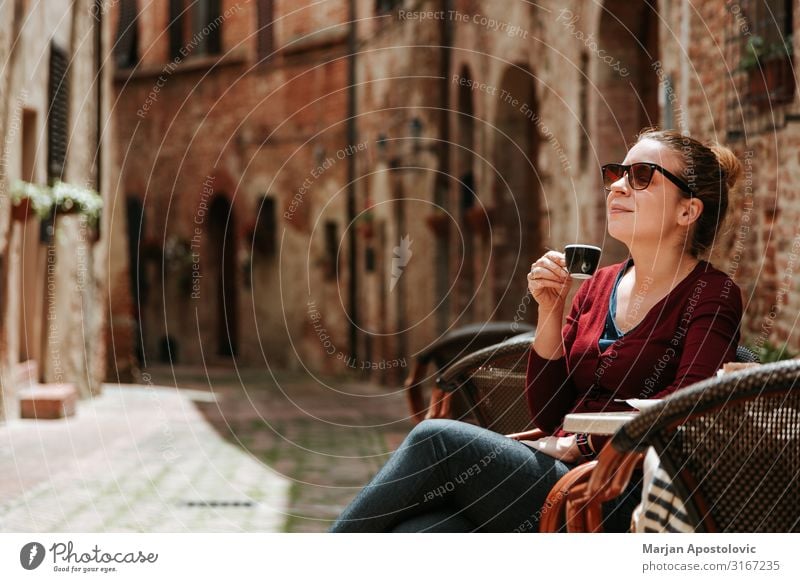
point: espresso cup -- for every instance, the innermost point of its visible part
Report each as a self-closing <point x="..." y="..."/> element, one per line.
<point x="582" y="260"/>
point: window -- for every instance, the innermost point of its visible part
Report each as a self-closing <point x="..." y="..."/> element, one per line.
<point x="126" y="49"/>
<point x="195" y="27"/>
<point x="331" y="231"/>
<point x="583" y="101"/>
<point x="265" y="36"/>
<point x="759" y="41"/>
<point x="176" y="13"/>
<point x="384" y="6"/>
<point x="206" y="23"/>
<point x="265" y="231"/>
<point x="58" y="113"/>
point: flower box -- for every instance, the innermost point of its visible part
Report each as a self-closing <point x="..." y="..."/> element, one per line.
<point x="479" y="218"/>
<point x="772" y="84"/>
<point x="22" y="210"/>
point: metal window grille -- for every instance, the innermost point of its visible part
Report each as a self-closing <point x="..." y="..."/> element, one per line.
<point x="126" y="49"/>
<point x="58" y="113"/>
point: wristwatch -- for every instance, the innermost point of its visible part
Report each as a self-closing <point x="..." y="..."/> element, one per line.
<point x="582" y="440"/>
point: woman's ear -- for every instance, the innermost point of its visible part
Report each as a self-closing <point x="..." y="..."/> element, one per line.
<point x="690" y="211"/>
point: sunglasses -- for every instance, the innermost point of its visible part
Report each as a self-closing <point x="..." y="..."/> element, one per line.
<point x="639" y="176"/>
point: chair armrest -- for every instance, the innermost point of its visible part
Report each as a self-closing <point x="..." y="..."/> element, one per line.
<point x="413" y="386"/>
<point x="608" y="481"/>
<point x="553" y="513"/>
<point x="454" y="376"/>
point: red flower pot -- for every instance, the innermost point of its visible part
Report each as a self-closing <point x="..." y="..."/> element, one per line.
<point x="439" y="223"/>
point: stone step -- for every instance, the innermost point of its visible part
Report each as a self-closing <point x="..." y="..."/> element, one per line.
<point x="48" y="401"/>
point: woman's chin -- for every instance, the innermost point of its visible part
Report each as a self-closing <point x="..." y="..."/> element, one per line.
<point x="623" y="235"/>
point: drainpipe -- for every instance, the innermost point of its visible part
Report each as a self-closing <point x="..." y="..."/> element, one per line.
<point x="442" y="183"/>
<point x="352" y="287"/>
<point x="98" y="64"/>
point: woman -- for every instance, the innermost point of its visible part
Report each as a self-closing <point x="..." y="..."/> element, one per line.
<point x="643" y="328"/>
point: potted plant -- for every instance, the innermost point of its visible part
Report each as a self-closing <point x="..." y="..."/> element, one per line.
<point x="439" y="223"/>
<point x="769" y="70"/>
<point x="366" y="224"/>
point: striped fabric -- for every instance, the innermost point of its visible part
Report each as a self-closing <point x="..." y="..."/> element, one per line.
<point x="661" y="510"/>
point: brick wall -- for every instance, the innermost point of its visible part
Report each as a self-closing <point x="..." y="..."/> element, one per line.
<point x="268" y="128"/>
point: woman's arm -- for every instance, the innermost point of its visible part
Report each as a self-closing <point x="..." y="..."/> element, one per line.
<point x="549" y="390"/>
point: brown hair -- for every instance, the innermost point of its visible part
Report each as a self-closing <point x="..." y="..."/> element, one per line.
<point x="711" y="170"/>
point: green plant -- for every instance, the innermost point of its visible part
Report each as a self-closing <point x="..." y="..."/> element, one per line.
<point x="40" y="198"/>
<point x="757" y="51"/>
<point x="754" y="52"/>
<point x="780" y="50"/>
<point x="67" y="197"/>
<point x="772" y="352"/>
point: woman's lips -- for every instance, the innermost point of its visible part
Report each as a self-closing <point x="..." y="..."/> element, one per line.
<point x="613" y="210"/>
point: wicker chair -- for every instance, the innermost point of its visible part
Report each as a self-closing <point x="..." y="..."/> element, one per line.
<point x="731" y="445"/>
<point x="561" y="515"/>
<point x="444" y="352"/>
<point x="492" y="381"/>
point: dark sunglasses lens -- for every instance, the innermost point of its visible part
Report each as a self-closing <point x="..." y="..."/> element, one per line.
<point x="611" y="173"/>
<point x="640" y="176"/>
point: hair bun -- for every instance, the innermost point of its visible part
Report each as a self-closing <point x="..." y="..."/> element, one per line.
<point x="729" y="164"/>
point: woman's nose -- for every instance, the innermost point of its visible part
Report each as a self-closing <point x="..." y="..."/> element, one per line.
<point x="621" y="185"/>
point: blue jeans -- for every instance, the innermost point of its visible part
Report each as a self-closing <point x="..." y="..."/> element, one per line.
<point x="450" y="476"/>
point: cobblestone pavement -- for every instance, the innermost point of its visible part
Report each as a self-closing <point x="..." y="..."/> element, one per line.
<point x="227" y="451"/>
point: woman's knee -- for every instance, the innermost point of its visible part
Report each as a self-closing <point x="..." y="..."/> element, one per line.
<point x="429" y="428"/>
<point x="450" y="434"/>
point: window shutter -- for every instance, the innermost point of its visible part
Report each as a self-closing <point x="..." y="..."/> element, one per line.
<point x="58" y="116"/>
<point x="265" y="35"/>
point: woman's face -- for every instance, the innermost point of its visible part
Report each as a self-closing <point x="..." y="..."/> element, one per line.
<point x="657" y="215"/>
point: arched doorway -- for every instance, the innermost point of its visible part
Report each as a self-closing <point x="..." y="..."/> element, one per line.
<point x="516" y="227"/>
<point x="223" y="275"/>
<point x="626" y="90"/>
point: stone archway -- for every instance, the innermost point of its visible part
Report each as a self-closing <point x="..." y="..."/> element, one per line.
<point x="516" y="225"/>
<point x="626" y="88"/>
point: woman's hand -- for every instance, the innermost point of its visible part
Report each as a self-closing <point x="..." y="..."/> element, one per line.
<point x="549" y="282"/>
<point x="564" y="448"/>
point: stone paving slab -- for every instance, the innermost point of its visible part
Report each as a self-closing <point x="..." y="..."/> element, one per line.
<point x="228" y="451"/>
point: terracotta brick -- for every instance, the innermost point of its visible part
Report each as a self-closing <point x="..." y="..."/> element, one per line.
<point x="48" y="401"/>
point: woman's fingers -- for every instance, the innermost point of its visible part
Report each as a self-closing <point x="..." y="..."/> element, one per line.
<point x="556" y="267"/>
<point x="542" y="274"/>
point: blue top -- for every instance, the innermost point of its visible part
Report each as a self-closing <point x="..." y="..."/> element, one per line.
<point x="611" y="332"/>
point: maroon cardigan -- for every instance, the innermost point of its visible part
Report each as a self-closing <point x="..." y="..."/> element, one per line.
<point x="684" y="338"/>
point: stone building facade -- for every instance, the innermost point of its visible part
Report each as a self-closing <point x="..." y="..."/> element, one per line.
<point x="331" y="186"/>
<point x="55" y="122"/>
